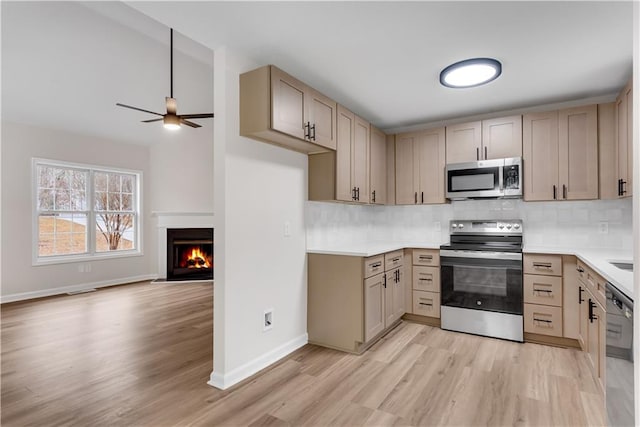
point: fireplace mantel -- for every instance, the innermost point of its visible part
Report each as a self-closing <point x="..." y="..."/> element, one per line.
<point x="166" y="220"/>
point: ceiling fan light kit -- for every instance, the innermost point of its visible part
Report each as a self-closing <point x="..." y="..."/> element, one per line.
<point x="171" y="119"/>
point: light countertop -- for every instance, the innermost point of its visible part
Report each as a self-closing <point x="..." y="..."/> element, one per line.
<point x="369" y="249"/>
<point x="598" y="260"/>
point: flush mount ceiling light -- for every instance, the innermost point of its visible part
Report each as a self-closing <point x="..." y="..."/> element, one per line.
<point x="471" y="73"/>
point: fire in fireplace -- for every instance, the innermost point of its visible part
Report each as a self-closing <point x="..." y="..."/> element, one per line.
<point x="189" y="253"/>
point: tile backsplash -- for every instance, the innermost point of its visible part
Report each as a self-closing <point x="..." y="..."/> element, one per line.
<point x="554" y="224"/>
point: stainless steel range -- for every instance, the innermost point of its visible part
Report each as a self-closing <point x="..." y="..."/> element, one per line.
<point x="481" y="278"/>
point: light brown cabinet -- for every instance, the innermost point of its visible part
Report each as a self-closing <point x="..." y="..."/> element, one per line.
<point x="543" y="291"/>
<point x="352" y="300"/>
<point x="279" y="109"/>
<point x="489" y="139"/>
<point x="420" y="162"/>
<point x="343" y="174"/>
<point x="425" y="285"/>
<point x="560" y="154"/>
<point x="378" y="167"/>
<point x="624" y="141"/>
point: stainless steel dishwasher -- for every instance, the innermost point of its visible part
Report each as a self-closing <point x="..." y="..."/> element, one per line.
<point x="619" y="373"/>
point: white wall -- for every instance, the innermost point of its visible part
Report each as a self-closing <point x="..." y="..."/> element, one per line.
<point x="20" y="143"/>
<point x="259" y="187"/>
<point x="555" y="224"/>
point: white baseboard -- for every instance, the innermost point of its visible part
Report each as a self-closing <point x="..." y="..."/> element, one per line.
<point x="74" y="288"/>
<point x="224" y="381"/>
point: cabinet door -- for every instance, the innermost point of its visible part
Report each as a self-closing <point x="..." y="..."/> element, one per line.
<point x="431" y="161"/>
<point x="405" y="190"/>
<point x="399" y="294"/>
<point x="374" y="306"/>
<point x="360" y="160"/>
<point x="288" y="101"/>
<point x="502" y="137"/>
<point x="578" y="153"/>
<point x="628" y="97"/>
<point x="540" y="155"/>
<point x="378" y="167"/>
<point x="464" y="142"/>
<point x="570" y="298"/>
<point x="346" y="126"/>
<point x="321" y="115"/>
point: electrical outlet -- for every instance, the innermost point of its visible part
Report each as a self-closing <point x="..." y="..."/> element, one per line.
<point x="603" y="227"/>
<point x="287" y="229"/>
<point x="268" y="320"/>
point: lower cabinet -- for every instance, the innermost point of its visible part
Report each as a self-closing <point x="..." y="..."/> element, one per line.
<point x="425" y="285"/>
<point x="542" y="295"/>
<point x="352" y="301"/>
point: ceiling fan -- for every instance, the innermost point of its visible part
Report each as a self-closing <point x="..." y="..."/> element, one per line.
<point x="171" y="119"/>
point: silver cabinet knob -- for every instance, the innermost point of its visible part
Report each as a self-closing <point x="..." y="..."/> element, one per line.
<point x="516" y="226"/>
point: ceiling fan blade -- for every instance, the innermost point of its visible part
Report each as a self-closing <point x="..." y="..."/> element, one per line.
<point x="138" y="109"/>
<point x="172" y="105"/>
<point x="188" y="123"/>
<point x="152" y="120"/>
<point x="197" y="116"/>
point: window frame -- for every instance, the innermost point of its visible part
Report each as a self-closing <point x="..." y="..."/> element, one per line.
<point x="91" y="212"/>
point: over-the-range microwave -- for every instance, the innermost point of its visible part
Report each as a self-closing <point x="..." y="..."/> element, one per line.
<point x="497" y="178"/>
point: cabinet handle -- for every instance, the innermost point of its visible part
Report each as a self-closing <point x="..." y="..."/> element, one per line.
<point x="307" y="130"/>
<point x="384" y="282"/>
<point x="425" y="280"/>
<point x="373" y="196"/>
<point x="580" y="291"/>
<point x="485" y="153"/>
<point x="397" y="274"/>
<point x="543" y="290"/>
<point x="542" y="265"/>
<point x="554" y="192"/>
<point x="425" y="256"/>
<point x="422" y="196"/>
<point x="358" y="193"/>
<point x="424" y="303"/>
<point x="353" y="193"/>
<point x="564" y="191"/>
<point x="580" y="270"/>
<point x="542" y="320"/>
<point x="623" y="190"/>
<point x="619" y="187"/>
<point x="477" y="153"/>
<point x="415" y="198"/>
<point x="312" y="128"/>
<point x="376" y="264"/>
<point x="592" y="317"/>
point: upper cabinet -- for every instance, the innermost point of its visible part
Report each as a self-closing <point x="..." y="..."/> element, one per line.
<point x="483" y="140"/>
<point x="377" y="166"/>
<point x="343" y="175"/>
<point x="560" y="154"/>
<point x="624" y="141"/>
<point x="420" y="163"/>
<point x="277" y="108"/>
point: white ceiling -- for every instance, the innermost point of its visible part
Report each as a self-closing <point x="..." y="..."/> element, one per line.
<point x="66" y="64"/>
<point x="383" y="59"/>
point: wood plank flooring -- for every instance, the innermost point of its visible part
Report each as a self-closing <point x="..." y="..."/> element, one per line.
<point x="141" y="355"/>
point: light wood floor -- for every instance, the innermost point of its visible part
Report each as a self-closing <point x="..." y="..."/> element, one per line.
<point x="141" y="355"/>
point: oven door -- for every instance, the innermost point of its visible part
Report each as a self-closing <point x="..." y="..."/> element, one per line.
<point x="479" y="280"/>
<point x="475" y="179"/>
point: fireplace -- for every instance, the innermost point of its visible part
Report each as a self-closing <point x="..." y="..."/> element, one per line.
<point x="189" y="254"/>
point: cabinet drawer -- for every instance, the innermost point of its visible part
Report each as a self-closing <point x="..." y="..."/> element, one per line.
<point x="546" y="290"/>
<point x="543" y="319"/>
<point x="426" y="278"/>
<point x="373" y="265"/>
<point x="426" y="303"/>
<point x="426" y="257"/>
<point x="548" y="265"/>
<point x="393" y="259"/>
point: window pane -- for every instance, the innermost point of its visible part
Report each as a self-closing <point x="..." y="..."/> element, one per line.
<point x="115" y="232"/>
<point x="100" y="181"/>
<point x="62" y="234"/>
<point x="101" y="201"/>
<point x="45" y="176"/>
<point x="114" y="201"/>
<point x="61" y="178"/>
<point x="45" y="199"/>
<point x="62" y="200"/>
<point x="127" y="202"/>
<point x="114" y="183"/>
<point x="79" y="201"/>
<point x="127" y="183"/>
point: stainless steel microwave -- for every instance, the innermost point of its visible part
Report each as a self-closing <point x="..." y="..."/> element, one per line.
<point x="497" y="178"/>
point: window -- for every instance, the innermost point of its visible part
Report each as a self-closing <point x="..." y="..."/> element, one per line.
<point x="84" y="211"/>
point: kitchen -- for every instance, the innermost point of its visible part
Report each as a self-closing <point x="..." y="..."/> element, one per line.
<point x="275" y="238"/>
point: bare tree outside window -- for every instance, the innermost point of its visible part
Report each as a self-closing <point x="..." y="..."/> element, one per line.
<point x="114" y="208"/>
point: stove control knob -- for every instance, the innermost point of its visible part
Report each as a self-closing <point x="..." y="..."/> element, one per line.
<point x="501" y="226"/>
<point x="454" y="225"/>
<point x="516" y="226"/>
<point x="460" y="225"/>
<point x="509" y="226"/>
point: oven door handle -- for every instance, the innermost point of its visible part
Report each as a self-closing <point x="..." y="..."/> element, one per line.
<point x="511" y="256"/>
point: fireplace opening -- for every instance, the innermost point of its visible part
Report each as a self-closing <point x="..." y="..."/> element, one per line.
<point x="189" y="254"/>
